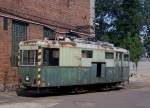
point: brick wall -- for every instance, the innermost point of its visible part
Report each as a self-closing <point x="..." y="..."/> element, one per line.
<point x="34" y="32"/>
<point x="64" y="13"/>
<point x="61" y="15"/>
<point x="5" y="53"/>
<point x="8" y="74"/>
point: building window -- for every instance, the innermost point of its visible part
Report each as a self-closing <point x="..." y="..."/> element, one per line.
<point x="48" y="33"/>
<point x="72" y="35"/>
<point x="19" y="33"/>
<point x="5" y="23"/>
<point x="51" y="57"/>
<point x="109" y="55"/>
<point x="87" y="54"/>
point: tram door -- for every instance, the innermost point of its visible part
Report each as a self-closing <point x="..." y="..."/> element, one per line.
<point x="100" y="69"/>
<point x="119" y="66"/>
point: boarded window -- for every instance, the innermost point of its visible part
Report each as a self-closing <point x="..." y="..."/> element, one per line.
<point x="48" y="33"/>
<point x="5" y="23"/>
<point x="109" y="55"/>
<point x="19" y="33"/>
<point x="87" y="54"/>
<point x="51" y="57"/>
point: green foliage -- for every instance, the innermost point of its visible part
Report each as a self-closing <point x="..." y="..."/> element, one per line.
<point x="134" y="45"/>
<point x="147" y="45"/>
<point x="103" y="8"/>
<point x="146" y="11"/>
<point x="129" y="20"/>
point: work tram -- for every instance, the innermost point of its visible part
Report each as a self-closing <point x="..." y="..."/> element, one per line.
<point x="56" y="64"/>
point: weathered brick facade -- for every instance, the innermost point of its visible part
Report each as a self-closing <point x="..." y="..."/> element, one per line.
<point x="60" y="15"/>
<point x="69" y="14"/>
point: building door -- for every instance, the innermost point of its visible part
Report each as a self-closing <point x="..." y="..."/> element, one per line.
<point x="19" y="33"/>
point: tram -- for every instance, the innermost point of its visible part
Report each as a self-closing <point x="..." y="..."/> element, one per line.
<point x="66" y="63"/>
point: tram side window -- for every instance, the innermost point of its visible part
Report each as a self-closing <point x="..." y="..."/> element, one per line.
<point x="109" y="55"/>
<point x="126" y="57"/>
<point x="119" y="55"/>
<point x="51" y="57"/>
<point x="87" y="54"/>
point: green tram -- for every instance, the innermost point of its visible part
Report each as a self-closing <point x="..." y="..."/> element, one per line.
<point x="56" y="64"/>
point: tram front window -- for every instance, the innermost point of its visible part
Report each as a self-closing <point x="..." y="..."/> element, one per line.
<point x="28" y="57"/>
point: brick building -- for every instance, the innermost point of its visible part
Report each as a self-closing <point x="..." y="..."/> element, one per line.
<point x="36" y="19"/>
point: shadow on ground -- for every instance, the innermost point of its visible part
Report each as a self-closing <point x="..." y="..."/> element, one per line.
<point x="43" y="93"/>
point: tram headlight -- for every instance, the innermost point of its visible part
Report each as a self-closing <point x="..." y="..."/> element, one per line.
<point x="27" y="78"/>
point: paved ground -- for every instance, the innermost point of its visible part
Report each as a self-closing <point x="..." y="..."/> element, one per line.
<point x="135" y="95"/>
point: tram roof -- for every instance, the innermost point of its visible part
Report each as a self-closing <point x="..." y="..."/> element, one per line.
<point x="34" y="44"/>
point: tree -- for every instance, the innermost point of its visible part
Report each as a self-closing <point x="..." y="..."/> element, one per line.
<point x="130" y="19"/>
<point x="129" y="25"/>
<point x="106" y="14"/>
<point x="133" y="43"/>
<point x="146" y="12"/>
<point x="146" y="6"/>
<point x="128" y="15"/>
<point x="147" y="45"/>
